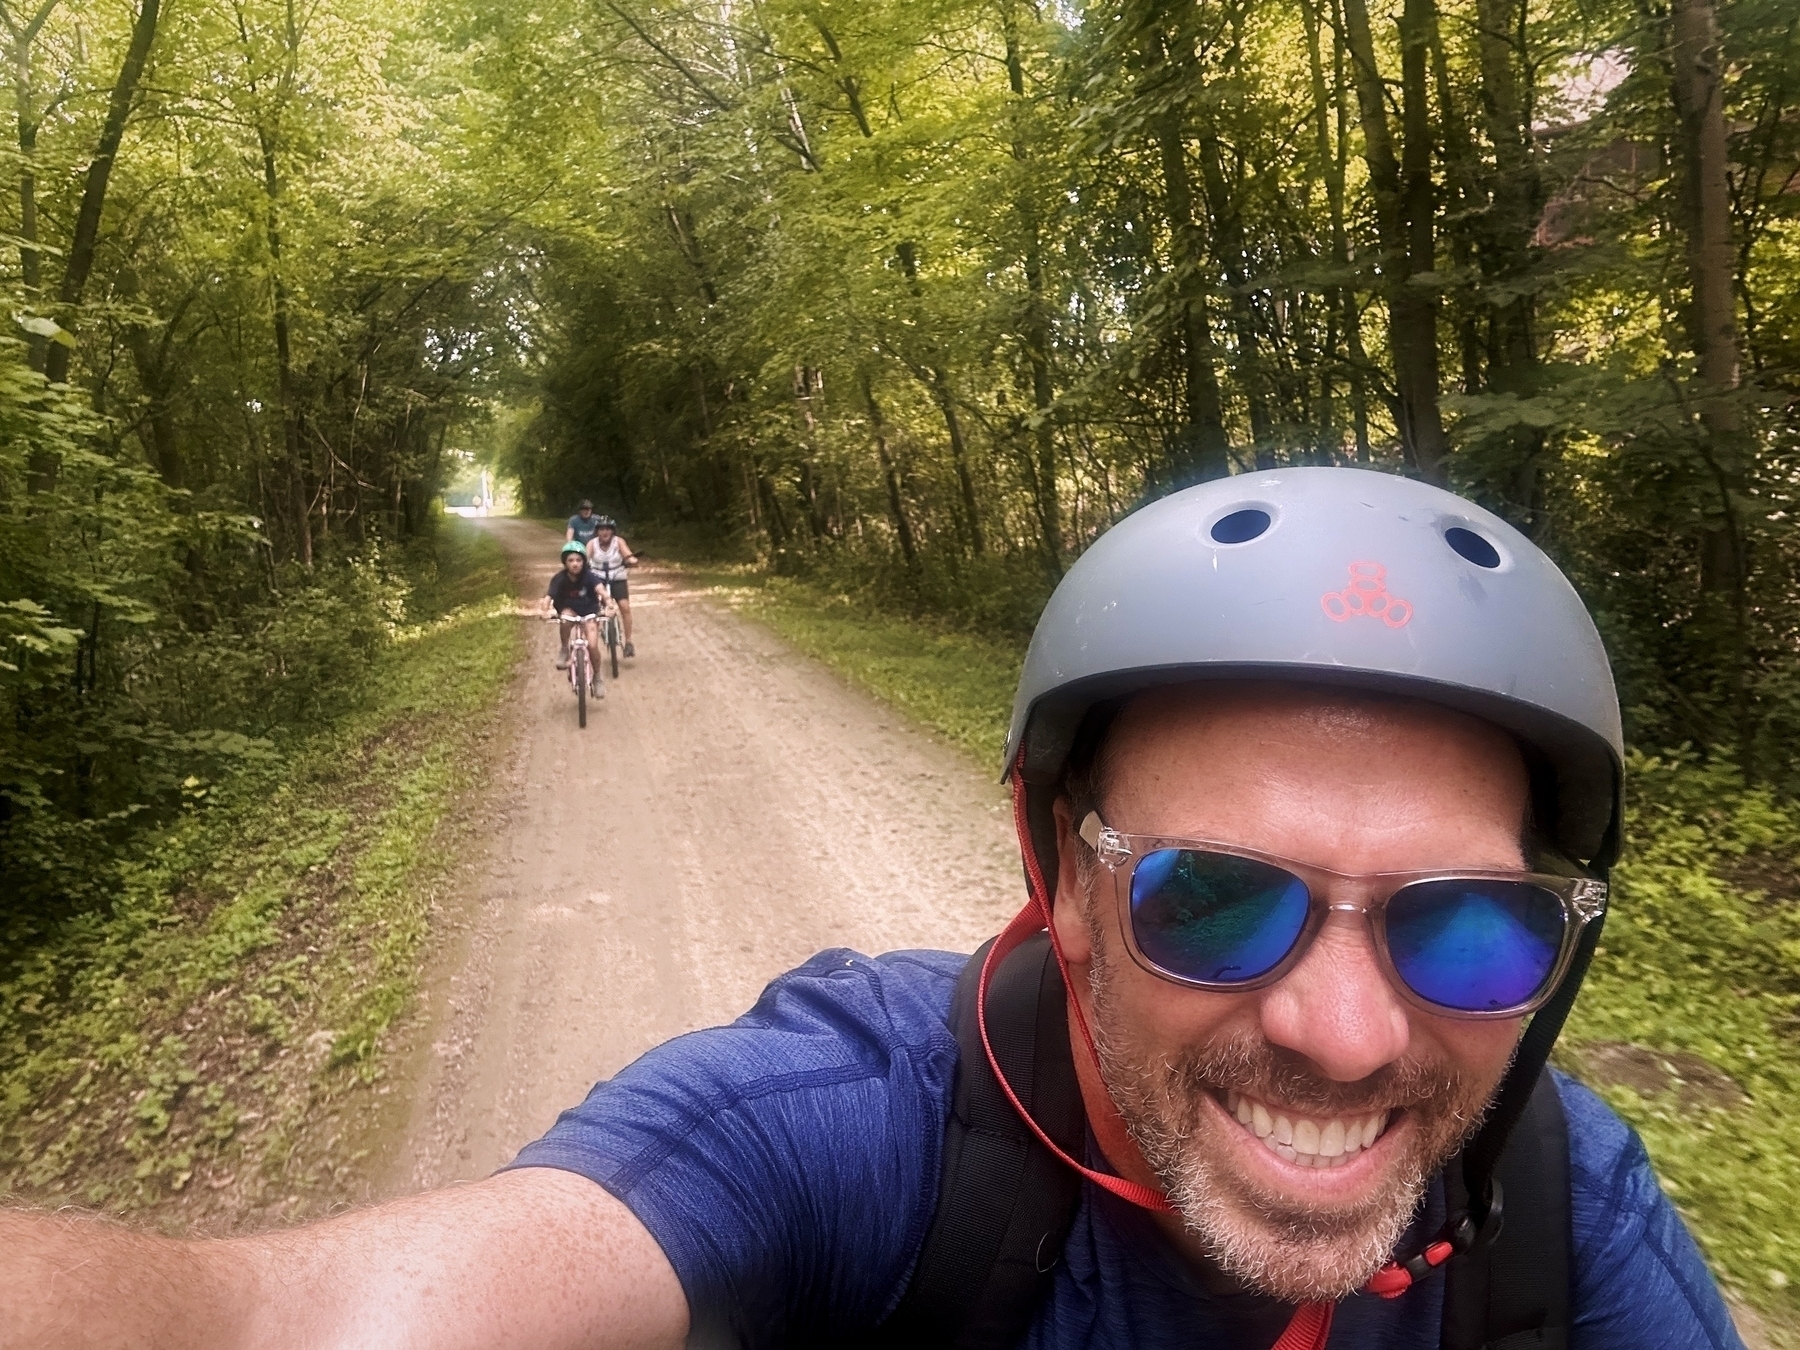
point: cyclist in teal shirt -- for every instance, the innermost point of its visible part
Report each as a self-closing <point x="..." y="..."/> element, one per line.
<point x="583" y="525"/>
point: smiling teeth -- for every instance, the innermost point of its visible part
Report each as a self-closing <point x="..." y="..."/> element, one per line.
<point x="1300" y="1139"/>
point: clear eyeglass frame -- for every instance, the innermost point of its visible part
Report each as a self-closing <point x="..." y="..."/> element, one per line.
<point x="1583" y="900"/>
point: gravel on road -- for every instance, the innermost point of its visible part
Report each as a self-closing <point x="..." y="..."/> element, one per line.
<point x="730" y="809"/>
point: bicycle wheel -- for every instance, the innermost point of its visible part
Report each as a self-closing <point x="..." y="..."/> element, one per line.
<point x="612" y="644"/>
<point x="578" y="666"/>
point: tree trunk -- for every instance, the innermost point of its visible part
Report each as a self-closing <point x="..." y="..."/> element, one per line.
<point x="890" y="476"/>
<point x="933" y="377"/>
<point x="1711" y="314"/>
<point x="1461" y="207"/>
<point x="1699" y="103"/>
<point x="1508" y="252"/>
<point x="31" y="269"/>
<point x="1333" y="163"/>
<point x="1229" y="249"/>
<point x="1404" y="218"/>
<point x="1419" y="312"/>
<point x="30" y="118"/>
<point x="284" y="365"/>
<point x="1706" y="211"/>
<point x="1201" y="449"/>
<point x="1331" y="174"/>
<point x="1035" y="328"/>
<point x="86" y="236"/>
<point x="809" y="496"/>
<point x="1712" y="325"/>
<point x="847" y="82"/>
<point x="752" y="498"/>
<point x="772" y="512"/>
<point x="681" y="225"/>
<point x="154" y="377"/>
<point x="804" y="382"/>
<point x="939" y="384"/>
<point x="1043" y="398"/>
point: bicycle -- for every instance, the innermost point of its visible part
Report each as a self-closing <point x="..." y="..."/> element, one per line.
<point x="611" y="632"/>
<point x="611" y="636"/>
<point x="581" y="671"/>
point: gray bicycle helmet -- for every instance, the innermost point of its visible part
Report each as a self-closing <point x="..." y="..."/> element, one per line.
<point x="1338" y="576"/>
<point x="1346" y="577"/>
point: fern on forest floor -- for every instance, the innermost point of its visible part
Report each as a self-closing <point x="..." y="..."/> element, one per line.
<point x="187" y="1049"/>
<point x="1689" y="1023"/>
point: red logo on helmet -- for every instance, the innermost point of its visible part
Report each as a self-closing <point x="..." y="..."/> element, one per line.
<point x="1367" y="594"/>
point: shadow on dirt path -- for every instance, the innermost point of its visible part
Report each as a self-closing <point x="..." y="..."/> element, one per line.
<point x="730" y="809"/>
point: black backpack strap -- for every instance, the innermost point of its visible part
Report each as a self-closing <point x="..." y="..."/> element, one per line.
<point x="1513" y="1292"/>
<point x="1004" y="1201"/>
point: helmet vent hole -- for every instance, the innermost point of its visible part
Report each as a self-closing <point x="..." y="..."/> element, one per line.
<point x="1240" y="527"/>
<point x="1472" y="546"/>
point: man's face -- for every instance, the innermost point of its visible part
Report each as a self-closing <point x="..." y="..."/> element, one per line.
<point x="1356" y="785"/>
<point x="586" y="512"/>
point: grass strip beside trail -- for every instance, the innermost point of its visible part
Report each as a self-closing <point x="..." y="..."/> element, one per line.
<point x="1689" y="1023"/>
<point x="959" y="684"/>
<point x="179" y="1052"/>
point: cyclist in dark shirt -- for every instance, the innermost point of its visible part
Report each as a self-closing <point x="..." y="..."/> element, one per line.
<point x="573" y="591"/>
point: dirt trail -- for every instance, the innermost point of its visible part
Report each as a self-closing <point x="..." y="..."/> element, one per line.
<point x="731" y="808"/>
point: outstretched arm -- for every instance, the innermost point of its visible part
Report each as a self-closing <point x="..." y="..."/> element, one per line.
<point x="534" y="1257"/>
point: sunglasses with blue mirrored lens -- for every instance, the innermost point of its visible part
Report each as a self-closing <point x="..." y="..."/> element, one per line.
<point x="1459" y="944"/>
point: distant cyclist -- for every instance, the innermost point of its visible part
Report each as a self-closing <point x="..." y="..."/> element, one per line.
<point x="582" y="524"/>
<point x="574" y="590"/>
<point x="608" y="557"/>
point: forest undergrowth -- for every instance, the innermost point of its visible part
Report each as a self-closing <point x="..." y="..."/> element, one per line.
<point x="204" y="1049"/>
<point x="1689" y="1023"/>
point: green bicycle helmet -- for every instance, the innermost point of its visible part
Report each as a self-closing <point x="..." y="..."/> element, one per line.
<point x="573" y="547"/>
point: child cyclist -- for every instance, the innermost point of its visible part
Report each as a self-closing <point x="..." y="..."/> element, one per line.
<point x="574" y="590"/>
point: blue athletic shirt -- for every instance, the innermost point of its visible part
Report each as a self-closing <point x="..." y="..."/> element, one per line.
<point x="788" y="1165"/>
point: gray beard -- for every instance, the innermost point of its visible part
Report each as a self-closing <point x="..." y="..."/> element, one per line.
<point x="1268" y="1244"/>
